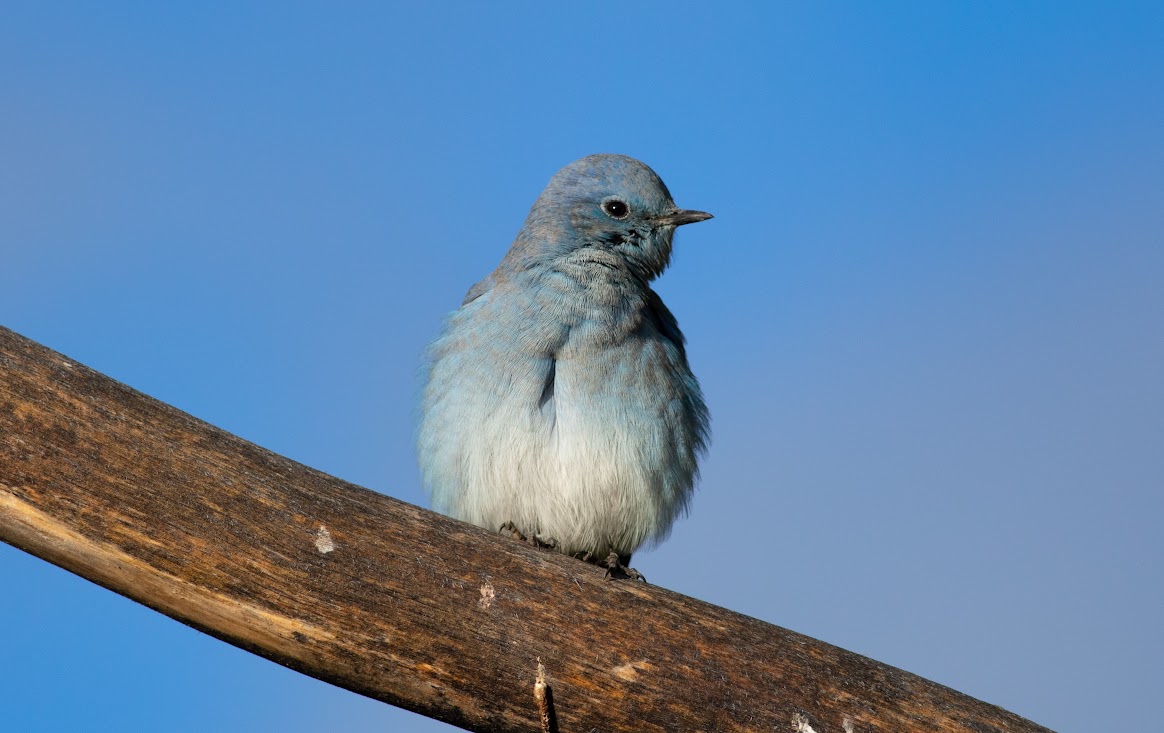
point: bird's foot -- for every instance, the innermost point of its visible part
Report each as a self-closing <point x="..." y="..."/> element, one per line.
<point x="548" y="543"/>
<point x="513" y="531"/>
<point x="615" y="564"/>
<point x="616" y="568"/>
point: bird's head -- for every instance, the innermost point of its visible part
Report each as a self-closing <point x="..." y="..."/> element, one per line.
<point x="611" y="203"/>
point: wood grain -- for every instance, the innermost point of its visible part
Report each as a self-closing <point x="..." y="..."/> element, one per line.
<point x="395" y="602"/>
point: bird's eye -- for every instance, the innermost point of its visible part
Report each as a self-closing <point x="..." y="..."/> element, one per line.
<point x="616" y="209"/>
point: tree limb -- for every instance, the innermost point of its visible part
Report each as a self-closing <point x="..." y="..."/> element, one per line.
<point x="395" y="602"/>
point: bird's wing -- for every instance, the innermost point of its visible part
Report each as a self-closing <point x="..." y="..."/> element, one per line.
<point x="665" y="322"/>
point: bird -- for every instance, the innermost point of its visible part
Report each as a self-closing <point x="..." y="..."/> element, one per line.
<point x="557" y="402"/>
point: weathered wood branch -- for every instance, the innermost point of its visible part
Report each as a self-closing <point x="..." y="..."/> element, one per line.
<point x="395" y="602"/>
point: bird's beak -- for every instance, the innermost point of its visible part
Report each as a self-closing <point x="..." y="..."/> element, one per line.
<point x="681" y="217"/>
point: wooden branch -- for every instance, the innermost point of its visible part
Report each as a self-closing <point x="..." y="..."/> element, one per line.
<point x="395" y="602"/>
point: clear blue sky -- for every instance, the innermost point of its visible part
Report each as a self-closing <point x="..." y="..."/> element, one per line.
<point x="928" y="316"/>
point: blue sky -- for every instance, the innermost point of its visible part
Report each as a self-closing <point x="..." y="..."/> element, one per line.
<point x="928" y="316"/>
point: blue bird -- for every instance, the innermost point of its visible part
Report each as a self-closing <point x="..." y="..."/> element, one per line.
<point x="557" y="402"/>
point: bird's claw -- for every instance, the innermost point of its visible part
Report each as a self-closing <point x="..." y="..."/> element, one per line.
<point x="549" y="543"/>
<point x="616" y="569"/>
<point x="614" y="564"/>
<point x="514" y="532"/>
